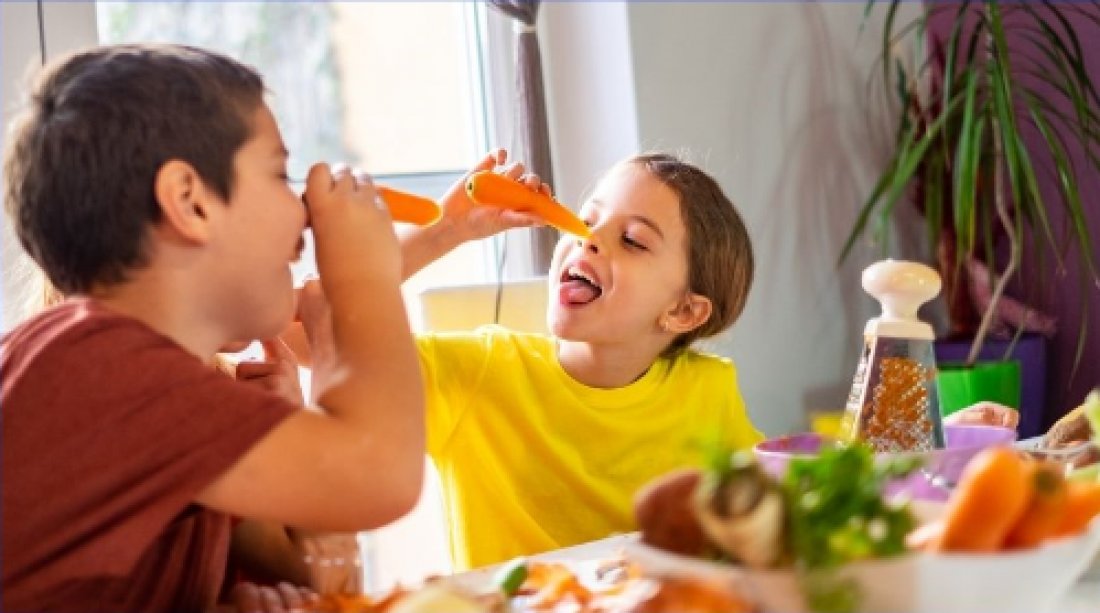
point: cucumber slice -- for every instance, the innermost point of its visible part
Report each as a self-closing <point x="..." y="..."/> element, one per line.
<point x="511" y="576"/>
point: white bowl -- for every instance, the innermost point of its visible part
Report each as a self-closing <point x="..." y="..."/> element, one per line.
<point x="1028" y="581"/>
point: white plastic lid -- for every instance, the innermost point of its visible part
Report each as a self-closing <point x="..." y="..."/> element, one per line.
<point x="901" y="288"/>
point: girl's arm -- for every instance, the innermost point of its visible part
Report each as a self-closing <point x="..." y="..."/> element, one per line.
<point x="463" y="220"/>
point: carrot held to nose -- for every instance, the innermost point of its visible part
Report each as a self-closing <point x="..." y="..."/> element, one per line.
<point x="492" y="189"/>
<point x="407" y="207"/>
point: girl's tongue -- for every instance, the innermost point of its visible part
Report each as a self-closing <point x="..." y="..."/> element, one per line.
<point x="577" y="291"/>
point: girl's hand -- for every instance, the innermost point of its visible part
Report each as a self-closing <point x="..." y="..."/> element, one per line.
<point x="277" y="373"/>
<point x="471" y="221"/>
<point x="986" y="413"/>
<point x="283" y="598"/>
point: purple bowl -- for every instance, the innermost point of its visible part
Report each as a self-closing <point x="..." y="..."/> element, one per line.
<point x="940" y="471"/>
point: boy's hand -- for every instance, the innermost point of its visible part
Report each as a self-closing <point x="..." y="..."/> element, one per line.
<point x="316" y="317"/>
<point x="471" y="221"/>
<point x="351" y="226"/>
<point x="284" y="598"/>
<point x="332" y="559"/>
<point x="277" y="373"/>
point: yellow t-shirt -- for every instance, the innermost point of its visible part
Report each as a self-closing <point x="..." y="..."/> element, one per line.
<point x="531" y="460"/>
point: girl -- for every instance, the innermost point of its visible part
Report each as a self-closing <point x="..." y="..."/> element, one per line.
<point x="541" y="441"/>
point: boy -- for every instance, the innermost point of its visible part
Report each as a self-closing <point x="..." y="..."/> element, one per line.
<point x="149" y="182"/>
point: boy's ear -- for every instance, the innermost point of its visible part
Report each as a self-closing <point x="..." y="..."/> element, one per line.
<point x="184" y="200"/>
<point x="692" y="311"/>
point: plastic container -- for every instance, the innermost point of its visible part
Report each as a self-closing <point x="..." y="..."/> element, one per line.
<point x="941" y="469"/>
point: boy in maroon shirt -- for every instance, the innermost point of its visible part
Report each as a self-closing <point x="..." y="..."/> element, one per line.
<point x="149" y="182"/>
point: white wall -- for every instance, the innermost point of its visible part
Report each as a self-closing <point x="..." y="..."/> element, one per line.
<point x="72" y="26"/>
<point x="590" y="91"/>
<point x="772" y="99"/>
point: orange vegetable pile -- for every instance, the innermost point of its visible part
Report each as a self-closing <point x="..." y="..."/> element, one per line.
<point x="1004" y="502"/>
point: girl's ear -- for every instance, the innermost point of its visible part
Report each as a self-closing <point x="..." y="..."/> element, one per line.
<point x="184" y="201"/>
<point x="692" y="311"/>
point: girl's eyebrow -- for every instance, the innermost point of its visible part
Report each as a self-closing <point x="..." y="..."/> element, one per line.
<point x="642" y="219"/>
<point x="648" y="222"/>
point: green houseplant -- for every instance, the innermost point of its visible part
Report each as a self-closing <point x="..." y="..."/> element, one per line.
<point x="1000" y="73"/>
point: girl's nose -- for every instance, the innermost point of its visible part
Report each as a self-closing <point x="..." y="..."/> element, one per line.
<point x="589" y="244"/>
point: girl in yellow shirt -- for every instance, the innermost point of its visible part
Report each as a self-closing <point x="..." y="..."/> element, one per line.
<point x="542" y="440"/>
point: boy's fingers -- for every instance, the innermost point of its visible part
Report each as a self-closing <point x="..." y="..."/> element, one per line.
<point x="276" y="349"/>
<point x="272" y="601"/>
<point x="234" y="347"/>
<point x="254" y="370"/>
<point x="319" y="178"/>
<point x="292" y="598"/>
<point x="246" y="597"/>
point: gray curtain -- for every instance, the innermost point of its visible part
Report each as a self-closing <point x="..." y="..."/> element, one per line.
<point x="534" y="133"/>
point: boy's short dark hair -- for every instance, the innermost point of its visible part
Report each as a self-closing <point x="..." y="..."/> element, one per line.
<point x="720" y="258"/>
<point x="99" y="124"/>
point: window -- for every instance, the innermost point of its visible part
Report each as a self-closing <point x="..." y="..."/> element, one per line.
<point x="397" y="88"/>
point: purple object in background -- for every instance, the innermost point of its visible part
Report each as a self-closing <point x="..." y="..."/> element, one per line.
<point x="941" y="470"/>
<point x="1031" y="352"/>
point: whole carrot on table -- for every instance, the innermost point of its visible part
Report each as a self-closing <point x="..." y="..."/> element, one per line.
<point x="990" y="498"/>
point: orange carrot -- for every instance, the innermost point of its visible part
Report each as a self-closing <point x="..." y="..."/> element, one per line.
<point x="407" y="207"/>
<point x="489" y="188"/>
<point x="1082" y="504"/>
<point x="990" y="497"/>
<point x="1044" y="511"/>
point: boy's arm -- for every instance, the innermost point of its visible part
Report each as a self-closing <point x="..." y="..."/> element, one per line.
<point x="357" y="464"/>
<point x="463" y="220"/>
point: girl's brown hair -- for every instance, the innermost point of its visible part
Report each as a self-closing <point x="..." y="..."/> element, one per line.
<point x="720" y="260"/>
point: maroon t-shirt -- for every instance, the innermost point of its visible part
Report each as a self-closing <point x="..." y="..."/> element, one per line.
<point x="109" y="432"/>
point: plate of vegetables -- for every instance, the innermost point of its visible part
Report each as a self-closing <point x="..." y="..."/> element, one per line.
<point x="1014" y="536"/>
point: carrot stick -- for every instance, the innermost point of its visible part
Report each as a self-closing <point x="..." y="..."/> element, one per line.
<point x="407" y="207"/>
<point x="1044" y="511"/>
<point x="489" y="188"/>
<point x="1082" y="504"/>
<point x="990" y="498"/>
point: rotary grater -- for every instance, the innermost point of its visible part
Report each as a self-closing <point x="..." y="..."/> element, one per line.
<point x="893" y="404"/>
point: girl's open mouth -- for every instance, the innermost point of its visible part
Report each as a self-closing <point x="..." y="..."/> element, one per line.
<point x="579" y="285"/>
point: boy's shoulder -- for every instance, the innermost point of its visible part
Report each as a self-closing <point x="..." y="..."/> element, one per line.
<point x="55" y="329"/>
<point x="79" y="343"/>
